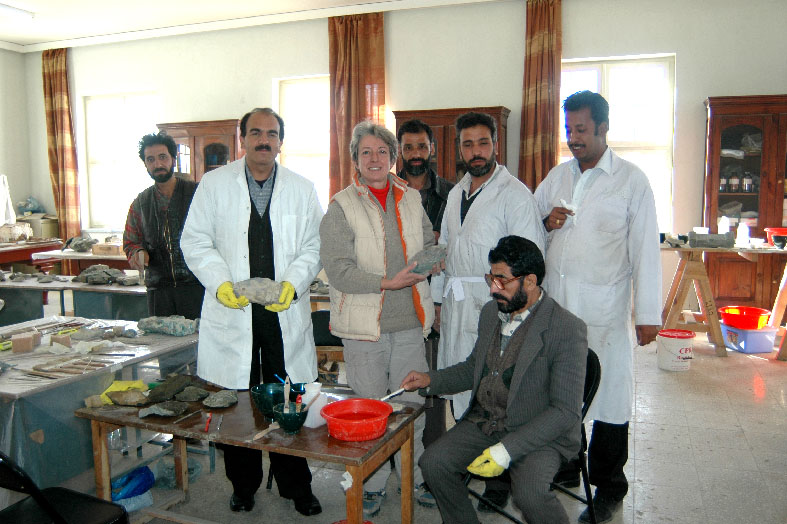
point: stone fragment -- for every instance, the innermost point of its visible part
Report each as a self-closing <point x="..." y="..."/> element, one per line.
<point x="117" y="330"/>
<point x="318" y="286"/>
<point x="18" y="277"/>
<point x="80" y="244"/>
<point x="169" y="388"/>
<point x="131" y="397"/>
<point x="36" y="338"/>
<point x="170" y="408"/>
<point x="22" y="343"/>
<point x="45" y="279"/>
<point x="128" y="280"/>
<point x="191" y="394"/>
<point x="2" y="276"/>
<point x="711" y="240"/>
<point x="94" y="401"/>
<point x="259" y="290"/>
<point x="85" y="333"/>
<point x="60" y="339"/>
<point x="175" y="325"/>
<point x="100" y="274"/>
<point x="221" y="399"/>
<point x="427" y="258"/>
<point x="129" y="333"/>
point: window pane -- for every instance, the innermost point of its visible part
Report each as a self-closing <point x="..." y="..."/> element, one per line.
<point x="574" y="80"/>
<point x="642" y="111"/>
<point x="657" y="165"/>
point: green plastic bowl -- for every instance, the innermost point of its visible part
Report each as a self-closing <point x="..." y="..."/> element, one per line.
<point x="267" y="395"/>
<point x="290" y="421"/>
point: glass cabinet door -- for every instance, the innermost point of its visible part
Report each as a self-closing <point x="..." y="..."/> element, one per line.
<point x="740" y="175"/>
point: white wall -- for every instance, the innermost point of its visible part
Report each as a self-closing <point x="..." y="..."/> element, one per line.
<point x="467" y="55"/>
<point x="13" y="124"/>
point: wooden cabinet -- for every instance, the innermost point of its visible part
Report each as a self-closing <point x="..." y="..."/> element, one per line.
<point x="445" y="159"/>
<point x="203" y="146"/>
<point x="745" y="162"/>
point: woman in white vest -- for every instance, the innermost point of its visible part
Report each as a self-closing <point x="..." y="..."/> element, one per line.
<point x="380" y="309"/>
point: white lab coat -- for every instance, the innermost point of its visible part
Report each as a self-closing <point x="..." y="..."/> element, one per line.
<point x="592" y="261"/>
<point x="215" y="245"/>
<point x="504" y="207"/>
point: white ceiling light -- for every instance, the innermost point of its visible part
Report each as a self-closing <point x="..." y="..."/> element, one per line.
<point x="7" y="10"/>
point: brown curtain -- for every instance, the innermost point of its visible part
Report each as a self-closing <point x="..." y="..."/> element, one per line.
<point x="539" y="134"/>
<point x="60" y="142"/>
<point x="357" y="64"/>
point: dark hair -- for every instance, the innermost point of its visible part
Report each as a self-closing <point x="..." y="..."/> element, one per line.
<point x="599" y="107"/>
<point x="521" y="255"/>
<point x="473" y="119"/>
<point x="415" y="126"/>
<point x="155" y="139"/>
<point x="267" y="111"/>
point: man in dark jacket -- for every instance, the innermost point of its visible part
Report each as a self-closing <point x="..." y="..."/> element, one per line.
<point x="151" y="239"/>
<point x="416" y="142"/>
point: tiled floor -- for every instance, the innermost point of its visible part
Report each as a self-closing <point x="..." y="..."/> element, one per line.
<point x="707" y="445"/>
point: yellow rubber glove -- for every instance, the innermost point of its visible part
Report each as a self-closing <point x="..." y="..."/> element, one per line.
<point x="485" y="466"/>
<point x="285" y="298"/>
<point x="227" y="297"/>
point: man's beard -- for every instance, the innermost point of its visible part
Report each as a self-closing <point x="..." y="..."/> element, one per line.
<point x="159" y="177"/>
<point x="517" y="302"/>
<point x="417" y="170"/>
<point x="481" y="170"/>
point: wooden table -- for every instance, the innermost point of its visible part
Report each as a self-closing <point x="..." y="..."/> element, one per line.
<point x="239" y="425"/>
<point x="84" y="260"/>
<point x="25" y="251"/>
<point x="691" y="271"/>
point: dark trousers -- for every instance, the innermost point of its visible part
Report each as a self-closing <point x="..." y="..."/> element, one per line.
<point x="185" y="299"/>
<point x="607" y="454"/>
<point x="244" y="466"/>
<point x="444" y="465"/>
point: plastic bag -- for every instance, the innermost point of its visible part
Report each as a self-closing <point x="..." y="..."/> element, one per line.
<point x="132" y="484"/>
<point x="31" y="205"/>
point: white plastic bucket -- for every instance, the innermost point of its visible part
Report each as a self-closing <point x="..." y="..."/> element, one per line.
<point x="675" y="349"/>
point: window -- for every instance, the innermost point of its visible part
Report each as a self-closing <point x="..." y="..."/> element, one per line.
<point x="304" y="104"/>
<point x="640" y="92"/>
<point x="115" y="174"/>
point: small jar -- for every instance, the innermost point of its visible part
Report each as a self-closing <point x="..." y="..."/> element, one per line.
<point x="747" y="184"/>
<point x="722" y="184"/>
<point x="734" y="184"/>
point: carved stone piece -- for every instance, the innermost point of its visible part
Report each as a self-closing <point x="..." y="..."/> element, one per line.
<point x="170" y="408"/>
<point x="221" y="399"/>
<point x="259" y="290"/>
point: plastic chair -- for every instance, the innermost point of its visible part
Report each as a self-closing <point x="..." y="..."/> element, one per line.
<point x="592" y="379"/>
<point x="58" y="505"/>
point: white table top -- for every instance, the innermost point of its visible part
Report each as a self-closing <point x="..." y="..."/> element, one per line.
<point x="70" y="254"/>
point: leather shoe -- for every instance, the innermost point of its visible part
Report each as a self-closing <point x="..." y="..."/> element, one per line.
<point x="496" y="496"/>
<point x="308" y="505"/>
<point x="605" y="510"/>
<point x="240" y="503"/>
<point x="567" y="478"/>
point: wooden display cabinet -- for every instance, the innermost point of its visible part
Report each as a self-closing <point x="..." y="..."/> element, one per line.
<point x="204" y="146"/>
<point x="445" y="158"/>
<point x="746" y="139"/>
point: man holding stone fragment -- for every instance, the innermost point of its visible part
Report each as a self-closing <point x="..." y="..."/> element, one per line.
<point x="255" y="218"/>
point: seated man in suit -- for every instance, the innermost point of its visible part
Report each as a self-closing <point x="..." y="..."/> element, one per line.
<point x="527" y="376"/>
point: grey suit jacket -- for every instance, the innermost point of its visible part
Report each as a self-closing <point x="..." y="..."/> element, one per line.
<point x="545" y="400"/>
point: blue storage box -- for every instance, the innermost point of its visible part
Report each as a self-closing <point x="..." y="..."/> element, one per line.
<point x="749" y="340"/>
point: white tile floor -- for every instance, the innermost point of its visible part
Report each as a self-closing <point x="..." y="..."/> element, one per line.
<point x="707" y="445"/>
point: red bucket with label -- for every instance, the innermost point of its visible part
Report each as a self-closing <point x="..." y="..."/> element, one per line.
<point x="675" y="349"/>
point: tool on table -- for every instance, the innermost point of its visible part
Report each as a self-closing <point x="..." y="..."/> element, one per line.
<point x="273" y="425"/>
<point x="391" y="395"/>
<point x="287" y="395"/>
<point x="141" y="262"/>
<point x="184" y="417"/>
<point x="5" y="346"/>
<point x="278" y="377"/>
<point x="315" y="397"/>
<point x="207" y="422"/>
<point x="218" y="426"/>
<point x="298" y="403"/>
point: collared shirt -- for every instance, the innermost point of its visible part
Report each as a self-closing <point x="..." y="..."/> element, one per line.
<point x="509" y="325"/>
<point x="260" y="191"/>
<point x="584" y="180"/>
<point x="467" y="198"/>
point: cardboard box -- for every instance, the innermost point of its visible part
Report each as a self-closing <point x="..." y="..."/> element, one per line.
<point x="108" y="249"/>
<point x="749" y="340"/>
<point x="44" y="226"/>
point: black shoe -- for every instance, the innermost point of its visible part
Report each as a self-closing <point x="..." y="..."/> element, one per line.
<point x="605" y="510"/>
<point x="240" y="503"/>
<point x="568" y="478"/>
<point x="496" y="496"/>
<point x="308" y="505"/>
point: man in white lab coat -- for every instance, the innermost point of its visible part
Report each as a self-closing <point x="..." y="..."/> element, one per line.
<point x="254" y="218"/>
<point x="485" y="206"/>
<point x="600" y="213"/>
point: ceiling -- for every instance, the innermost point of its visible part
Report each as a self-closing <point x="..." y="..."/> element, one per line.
<point x="71" y="23"/>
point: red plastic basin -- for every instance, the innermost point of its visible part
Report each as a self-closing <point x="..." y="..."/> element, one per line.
<point x="356" y="419"/>
<point x="744" y="317"/>
<point x="770" y="231"/>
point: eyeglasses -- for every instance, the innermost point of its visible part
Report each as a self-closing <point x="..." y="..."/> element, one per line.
<point x="498" y="282"/>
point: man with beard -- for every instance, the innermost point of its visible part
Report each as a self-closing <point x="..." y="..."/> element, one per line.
<point x="254" y="218"/>
<point x="601" y="216"/>
<point x="485" y="206"/>
<point x="416" y="141"/>
<point x="526" y="376"/>
<point x="151" y="239"/>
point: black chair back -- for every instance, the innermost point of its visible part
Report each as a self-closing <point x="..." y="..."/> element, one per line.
<point x="592" y="380"/>
<point x="322" y="334"/>
<point x="12" y="477"/>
